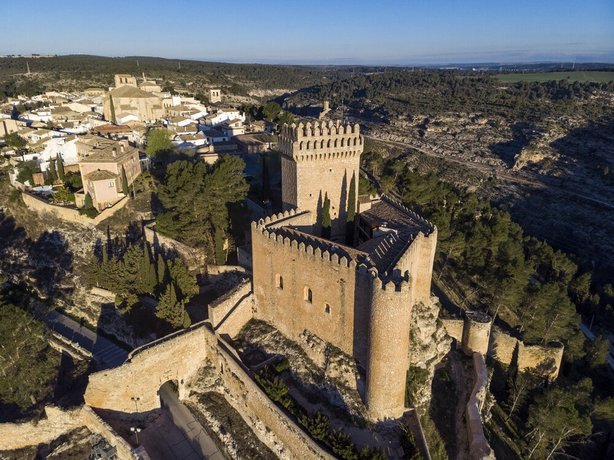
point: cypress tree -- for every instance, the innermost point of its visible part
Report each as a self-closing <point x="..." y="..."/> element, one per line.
<point x="125" y="188"/>
<point x="162" y="271"/>
<point x="220" y="254"/>
<point x="326" y="221"/>
<point x="148" y="272"/>
<point x="53" y="175"/>
<point x="87" y="202"/>
<point x="60" y="168"/>
<point x="351" y="214"/>
<point x="112" y="109"/>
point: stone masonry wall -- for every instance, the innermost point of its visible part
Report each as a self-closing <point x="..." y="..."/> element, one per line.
<point x="68" y="214"/>
<point x="231" y="312"/>
<point x="479" y="448"/>
<point x="194" y="258"/>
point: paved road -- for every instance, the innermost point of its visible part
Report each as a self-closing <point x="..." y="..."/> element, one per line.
<point x="197" y="444"/>
<point x="106" y="353"/>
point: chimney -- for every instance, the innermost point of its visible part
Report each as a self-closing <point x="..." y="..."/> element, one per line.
<point x="114" y="152"/>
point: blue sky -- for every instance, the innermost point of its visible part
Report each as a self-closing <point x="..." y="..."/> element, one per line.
<point x="326" y="32"/>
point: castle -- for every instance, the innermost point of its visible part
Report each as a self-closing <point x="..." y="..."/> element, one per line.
<point x="358" y="298"/>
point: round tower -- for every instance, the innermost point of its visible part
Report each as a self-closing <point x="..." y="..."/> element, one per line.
<point x="476" y="332"/>
<point x="388" y="350"/>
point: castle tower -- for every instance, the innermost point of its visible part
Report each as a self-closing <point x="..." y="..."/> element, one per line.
<point x="318" y="160"/>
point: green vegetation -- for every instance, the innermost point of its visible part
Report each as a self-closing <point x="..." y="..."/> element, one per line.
<point x="158" y="142"/>
<point x="573" y="76"/>
<point x="25" y="170"/>
<point x="29" y="365"/>
<point x="197" y="201"/>
<point x="15" y="141"/>
<point x="88" y="207"/>
<point x="125" y="189"/>
<point x="317" y="424"/>
<point x="63" y="196"/>
<point x="61" y="173"/>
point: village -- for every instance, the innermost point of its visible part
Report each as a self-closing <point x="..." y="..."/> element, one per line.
<point x="85" y="150"/>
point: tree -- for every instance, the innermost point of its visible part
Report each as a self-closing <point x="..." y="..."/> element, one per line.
<point x="53" y="175"/>
<point x="158" y="141"/>
<point x="112" y="110"/>
<point x="185" y="282"/>
<point x="25" y="171"/>
<point x="148" y="271"/>
<point x="326" y="221"/>
<point x="558" y="415"/>
<point x="27" y="363"/>
<point x="351" y="212"/>
<point x="72" y="180"/>
<point x="271" y="110"/>
<point x="162" y="271"/>
<point x="170" y="309"/>
<point x="125" y="189"/>
<point x="61" y="173"/>
<point x="15" y="141"/>
<point x="220" y="253"/>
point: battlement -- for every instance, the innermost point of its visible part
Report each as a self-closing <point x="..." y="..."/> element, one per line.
<point x="304" y="131"/>
<point x="321" y="141"/>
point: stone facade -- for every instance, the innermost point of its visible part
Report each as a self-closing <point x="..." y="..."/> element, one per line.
<point x="319" y="160"/>
<point x="358" y="298"/>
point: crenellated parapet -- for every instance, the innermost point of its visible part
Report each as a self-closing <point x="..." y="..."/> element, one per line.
<point x="321" y="141"/>
<point x="414" y="215"/>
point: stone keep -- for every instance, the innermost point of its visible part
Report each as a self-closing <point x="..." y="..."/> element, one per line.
<point x="319" y="160"/>
<point x="357" y="298"/>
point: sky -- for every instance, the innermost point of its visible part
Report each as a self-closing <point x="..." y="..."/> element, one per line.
<point x="381" y="32"/>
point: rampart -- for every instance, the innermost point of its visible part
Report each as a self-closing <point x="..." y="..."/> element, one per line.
<point x="545" y="360"/>
<point x="177" y="358"/>
<point x="69" y="214"/>
<point x="194" y="258"/>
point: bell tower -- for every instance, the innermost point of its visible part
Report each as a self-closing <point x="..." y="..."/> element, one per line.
<point x="318" y="161"/>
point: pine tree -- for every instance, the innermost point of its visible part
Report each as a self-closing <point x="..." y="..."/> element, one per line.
<point x="112" y="109"/>
<point x="351" y="213"/>
<point x="53" y="175"/>
<point x="60" y="168"/>
<point x="125" y="188"/>
<point x="326" y="221"/>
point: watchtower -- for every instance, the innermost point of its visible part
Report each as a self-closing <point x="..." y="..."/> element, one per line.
<point x="318" y="161"/>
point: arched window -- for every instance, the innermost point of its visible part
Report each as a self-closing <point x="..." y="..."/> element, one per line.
<point x="322" y="144"/>
<point x="342" y="142"/>
<point x="300" y="145"/>
<point x="327" y="309"/>
<point x="328" y="144"/>
<point x="308" y="144"/>
<point x="279" y="281"/>
<point x="308" y="295"/>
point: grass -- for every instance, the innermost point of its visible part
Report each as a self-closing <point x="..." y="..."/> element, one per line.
<point x="581" y="76"/>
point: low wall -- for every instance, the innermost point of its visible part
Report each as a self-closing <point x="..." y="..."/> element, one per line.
<point x="194" y="258"/>
<point x="454" y="328"/>
<point x="103" y="293"/>
<point x="58" y="422"/>
<point x="478" y="444"/>
<point x="68" y="214"/>
<point x="545" y="360"/>
<point x="177" y="358"/>
<point x="231" y="312"/>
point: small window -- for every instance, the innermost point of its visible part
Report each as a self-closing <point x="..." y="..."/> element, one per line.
<point x="279" y="281"/>
<point x="327" y="309"/>
<point x="112" y="184"/>
<point x="308" y="295"/>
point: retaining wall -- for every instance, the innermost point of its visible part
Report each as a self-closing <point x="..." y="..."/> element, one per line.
<point x="69" y="214"/>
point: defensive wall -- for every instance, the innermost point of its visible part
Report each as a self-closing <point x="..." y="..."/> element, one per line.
<point x="476" y="334"/>
<point x="305" y="283"/>
<point x="231" y="312"/>
<point x="69" y="214"/>
<point x="177" y="358"/>
<point x="56" y="423"/>
<point x="194" y="258"/>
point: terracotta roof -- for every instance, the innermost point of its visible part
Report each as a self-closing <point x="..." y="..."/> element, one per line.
<point x="100" y="175"/>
